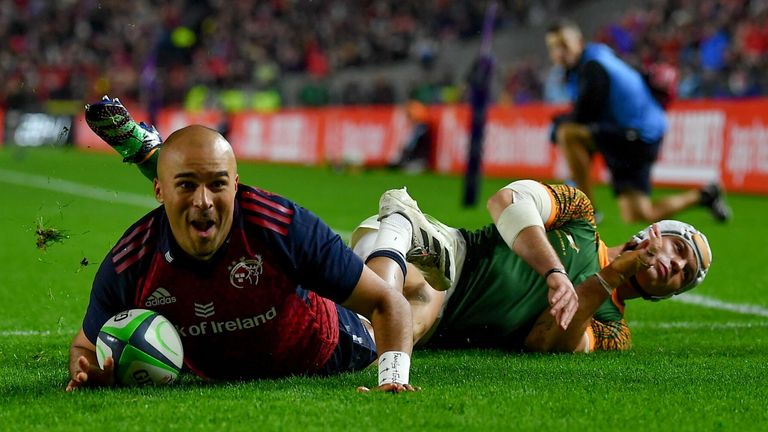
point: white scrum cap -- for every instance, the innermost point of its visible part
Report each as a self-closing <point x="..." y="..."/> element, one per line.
<point x="695" y="239"/>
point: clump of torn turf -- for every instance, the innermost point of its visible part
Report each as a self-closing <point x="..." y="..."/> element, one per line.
<point x="48" y="235"/>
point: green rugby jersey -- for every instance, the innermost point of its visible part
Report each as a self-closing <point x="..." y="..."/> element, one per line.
<point x="499" y="297"/>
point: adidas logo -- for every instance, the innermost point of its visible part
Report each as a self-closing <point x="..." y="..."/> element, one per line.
<point x="204" y="310"/>
<point x="160" y="297"/>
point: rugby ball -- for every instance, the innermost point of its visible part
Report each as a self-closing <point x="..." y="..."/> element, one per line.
<point x="145" y="346"/>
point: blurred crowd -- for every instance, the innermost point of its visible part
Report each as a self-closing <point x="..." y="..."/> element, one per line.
<point x="720" y="48"/>
<point x="80" y="49"/>
<point x="236" y="54"/>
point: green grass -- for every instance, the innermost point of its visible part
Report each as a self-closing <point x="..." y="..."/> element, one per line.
<point x="691" y="368"/>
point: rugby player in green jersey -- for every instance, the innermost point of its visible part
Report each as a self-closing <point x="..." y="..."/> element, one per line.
<point x="489" y="287"/>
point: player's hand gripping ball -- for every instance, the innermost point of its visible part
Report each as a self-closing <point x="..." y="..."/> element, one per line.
<point x="144" y="345"/>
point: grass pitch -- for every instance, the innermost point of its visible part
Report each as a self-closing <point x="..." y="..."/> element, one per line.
<point x="695" y="365"/>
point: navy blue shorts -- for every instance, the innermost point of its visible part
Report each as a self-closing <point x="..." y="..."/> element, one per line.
<point x="356" y="349"/>
<point x="628" y="157"/>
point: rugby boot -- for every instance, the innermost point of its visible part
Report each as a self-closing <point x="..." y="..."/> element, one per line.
<point x="713" y="198"/>
<point x="432" y="246"/>
<point x="112" y="122"/>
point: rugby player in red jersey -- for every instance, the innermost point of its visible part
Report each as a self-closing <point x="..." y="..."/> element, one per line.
<point x="256" y="285"/>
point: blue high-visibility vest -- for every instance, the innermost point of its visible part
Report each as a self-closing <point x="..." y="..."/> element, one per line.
<point x="630" y="103"/>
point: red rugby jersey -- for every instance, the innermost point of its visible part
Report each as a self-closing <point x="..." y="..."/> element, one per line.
<point x="263" y="306"/>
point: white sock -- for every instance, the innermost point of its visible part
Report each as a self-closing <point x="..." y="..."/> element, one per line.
<point x="395" y="233"/>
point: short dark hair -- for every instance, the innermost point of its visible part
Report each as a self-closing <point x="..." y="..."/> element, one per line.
<point x="561" y="24"/>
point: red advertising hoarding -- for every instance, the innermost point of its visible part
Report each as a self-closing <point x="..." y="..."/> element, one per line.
<point x="706" y="141"/>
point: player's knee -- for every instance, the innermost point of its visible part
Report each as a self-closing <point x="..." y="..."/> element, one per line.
<point x="636" y="206"/>
<point x="568" y="133"/>
<point x="637" y="215"/>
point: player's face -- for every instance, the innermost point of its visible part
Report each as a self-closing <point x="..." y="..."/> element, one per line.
<point x="675" y="267"/>
<point x="565" y="47"/>
<point x="197" y="187"/>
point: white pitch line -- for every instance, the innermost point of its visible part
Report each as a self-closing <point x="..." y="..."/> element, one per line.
<point x="78" y="189"/>
<point x="690" y="325"/>
<point x="92" y="192"/>
<point x="712" y="303"/>
<point x="25" y="333"/>
<point x="680" y="325"/>
<point x="101" y="194"/>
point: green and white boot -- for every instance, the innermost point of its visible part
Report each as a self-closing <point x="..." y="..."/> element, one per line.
<point x="136" y="142"/>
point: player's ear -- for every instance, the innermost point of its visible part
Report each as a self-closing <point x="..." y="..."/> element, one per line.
<point x="237" y="181"/>
<point x="158" y="190"/>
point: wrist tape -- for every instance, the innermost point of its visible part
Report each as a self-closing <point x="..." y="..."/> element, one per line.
<point x="394" y="367"/>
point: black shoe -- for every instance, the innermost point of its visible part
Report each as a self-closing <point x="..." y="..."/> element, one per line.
<point x="713" y="198"/>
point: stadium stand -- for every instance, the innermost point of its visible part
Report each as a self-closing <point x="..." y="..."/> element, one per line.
<point x="238" y="52"/>
<point x="723" y="58"/>
<point x="263" y="55"/>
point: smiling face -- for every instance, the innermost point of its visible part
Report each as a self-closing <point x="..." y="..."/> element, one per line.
<point x="675" y="267"/>
<point x="196" y="183"/>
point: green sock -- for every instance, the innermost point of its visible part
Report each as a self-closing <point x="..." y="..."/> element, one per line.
<point x="149" y="166"/>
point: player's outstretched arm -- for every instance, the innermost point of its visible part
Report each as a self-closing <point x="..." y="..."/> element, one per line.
<point x="519" y="212"/>
<point x="390" y="316"/>
<point x="84" y="368"/>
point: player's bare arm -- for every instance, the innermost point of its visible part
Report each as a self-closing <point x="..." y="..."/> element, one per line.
<point x="390" y="316"/>
<point x="547" y="336"/>
<point x="593" y="291"/>
<point x="84" y="369"/>
<point x="519" y="212"/>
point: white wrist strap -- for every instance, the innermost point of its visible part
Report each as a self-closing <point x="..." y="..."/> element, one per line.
<point x="394" y="367"/>
<point x="515" y="218"/>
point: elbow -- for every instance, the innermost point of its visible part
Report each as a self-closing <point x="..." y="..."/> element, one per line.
<point x="556" y="341"/>
<point x="538" y="342"/>
<point x="498" y="202"/>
